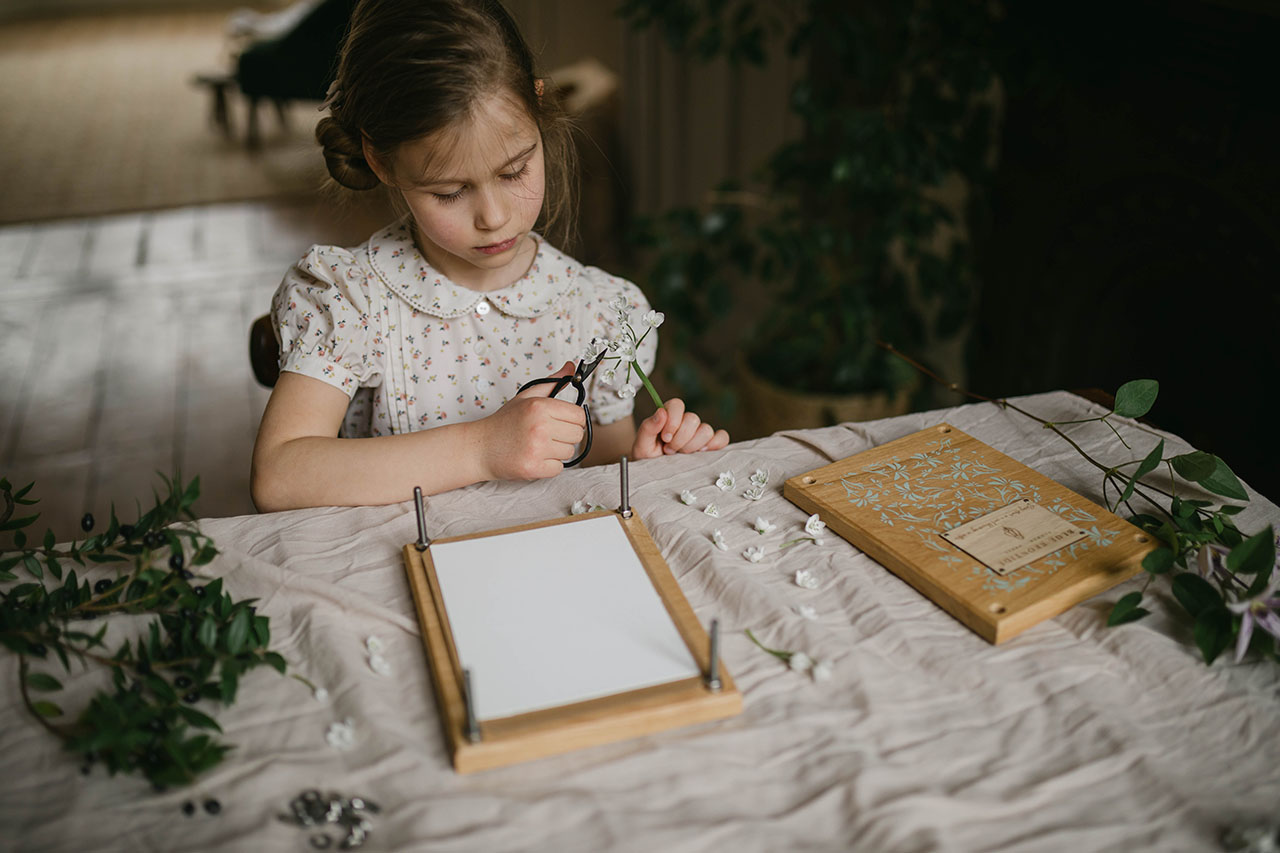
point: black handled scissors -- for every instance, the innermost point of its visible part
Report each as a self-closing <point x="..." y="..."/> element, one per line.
<point x="578" y="380"/>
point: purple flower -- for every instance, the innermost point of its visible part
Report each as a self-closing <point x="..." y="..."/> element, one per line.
<point x="1259" y="610"/>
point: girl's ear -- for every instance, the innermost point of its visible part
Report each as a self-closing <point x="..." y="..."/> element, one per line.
<point x="375" y="162"/>
<point x="538" y="86"/>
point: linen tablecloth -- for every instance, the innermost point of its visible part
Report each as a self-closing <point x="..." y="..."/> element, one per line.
<point x="1072" y="736"/>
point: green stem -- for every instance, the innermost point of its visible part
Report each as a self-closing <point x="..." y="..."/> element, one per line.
<point x="26" y="700"/>
<point x="653" y="392"/>
<point x="778" y="653"/>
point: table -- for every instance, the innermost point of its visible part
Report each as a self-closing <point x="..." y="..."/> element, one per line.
<point x="1072" y="736"/>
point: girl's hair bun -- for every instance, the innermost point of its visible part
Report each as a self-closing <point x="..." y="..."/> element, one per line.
<point x="344" y="155"/>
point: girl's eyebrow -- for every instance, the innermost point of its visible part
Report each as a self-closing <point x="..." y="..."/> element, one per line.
<point x="430" y="181"/>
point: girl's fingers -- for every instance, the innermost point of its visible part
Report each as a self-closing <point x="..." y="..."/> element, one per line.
<point x="675" y="415"/>
<point x="688" y="427"/>
<point x="718" y="441"/>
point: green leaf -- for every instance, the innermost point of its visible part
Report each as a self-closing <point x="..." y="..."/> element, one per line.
<point x="1195" y="593"/>
<point x="208" y="633"/>
<point x="1230" y="509"/>
<point x="49" y="541"/>
<point x="1127" y="610"/>
<point x="1223" y="482"/>
<point x="33" y="566"/>
<point x="1144" y="468"/>
<point x="238" y="632"/>
<point x="46" y="709"/>
<point x="1213" y="632"/>
<point x="161" y="688"/>
<point x="42" y="681"/>
<point x="1194" y="466"/>
<point x="1158" y="561"/>
<point x="1254" y="554"/>
<point x="17" y="523"/>
<point x="276" y="661"/>
<point x="197" y="719"/>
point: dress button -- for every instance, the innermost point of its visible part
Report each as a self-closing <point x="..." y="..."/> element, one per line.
<point x="482" y="307"/>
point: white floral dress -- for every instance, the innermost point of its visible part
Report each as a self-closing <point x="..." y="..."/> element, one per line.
<point x="414" y="350"/>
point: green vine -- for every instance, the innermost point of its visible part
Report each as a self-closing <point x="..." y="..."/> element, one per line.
<point x="1222" y="578"/>
<point x="193" y="652"/>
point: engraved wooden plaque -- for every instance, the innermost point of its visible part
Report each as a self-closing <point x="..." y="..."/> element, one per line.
<point x="895" y="502"/>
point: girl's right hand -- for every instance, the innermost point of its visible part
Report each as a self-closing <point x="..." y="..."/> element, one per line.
<point x="532" y="435"/>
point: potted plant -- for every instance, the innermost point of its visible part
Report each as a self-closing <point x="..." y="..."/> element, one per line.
<point x="859" y="230"/>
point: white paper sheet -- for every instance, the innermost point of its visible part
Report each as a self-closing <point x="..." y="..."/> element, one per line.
<point x="555" y="615"/>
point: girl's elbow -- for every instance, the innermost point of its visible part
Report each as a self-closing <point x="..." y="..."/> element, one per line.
<point x="267" y="488"/>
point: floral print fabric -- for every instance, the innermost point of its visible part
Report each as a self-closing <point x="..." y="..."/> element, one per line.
<point x="414" y="350"/>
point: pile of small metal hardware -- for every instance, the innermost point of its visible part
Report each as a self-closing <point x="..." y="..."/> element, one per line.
<point x="311" y="809"/>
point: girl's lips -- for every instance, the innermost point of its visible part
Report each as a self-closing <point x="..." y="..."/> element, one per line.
<point x="497" y="248"/>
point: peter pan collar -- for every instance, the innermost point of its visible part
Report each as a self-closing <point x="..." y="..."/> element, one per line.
<point x="406" y="273"/>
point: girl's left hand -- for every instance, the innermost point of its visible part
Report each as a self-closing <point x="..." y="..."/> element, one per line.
<point x="672" y="430"/>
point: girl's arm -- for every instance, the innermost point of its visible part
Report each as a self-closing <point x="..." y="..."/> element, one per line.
<point x="298" y="461"/>
<point x="667" y="431"/>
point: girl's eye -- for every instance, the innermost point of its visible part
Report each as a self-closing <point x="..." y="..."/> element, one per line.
<point x="451" y="197"/>
<point x="515" y="176"/>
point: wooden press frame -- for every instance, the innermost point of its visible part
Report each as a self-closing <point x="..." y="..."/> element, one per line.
<point x="522" y="737"/>
<point x="994" y="614"/>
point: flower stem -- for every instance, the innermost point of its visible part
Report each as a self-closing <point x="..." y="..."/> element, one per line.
<point x="648" y="386"/>
<point x="777" y="653"/>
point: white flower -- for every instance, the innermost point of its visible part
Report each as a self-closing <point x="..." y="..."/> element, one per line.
<point x="725" y="481"/>
<point x="717" y="538"/>
<point x="821" y="670"/>
<point x="800" y="662"/>
<point x="760" y="478"/>
<point x="379" y="664"/>
<point x="321" y="694"/>
<point x="578" y="508"/>
<point x="712" y="510"/>
<point x="341" y="735"/>
<point x="618" y="304"/>
<point x="687" y="498"/>
<point x="594" y="347"/>
<point x="653" y="319"/>
<point x="626" y="348"/>
<point x="754" y="554"/>
<point x="626" y="392"/>
<point x="763" y="526"/>
<point x="373" y="645"/>
<point x="806" y="611"/>
<point x="609" y="376"/>
<point x="806" y="579"/>
<point x="754" y="493"/>
<point x="814" y="526"/>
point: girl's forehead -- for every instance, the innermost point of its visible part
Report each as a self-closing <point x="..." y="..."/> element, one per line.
<point x="496" y="130"/>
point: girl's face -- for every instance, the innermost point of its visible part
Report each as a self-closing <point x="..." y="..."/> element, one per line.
<point x="475" y="191"/>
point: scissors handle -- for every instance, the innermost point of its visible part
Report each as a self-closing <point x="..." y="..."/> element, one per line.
<point x="559" y="384"/>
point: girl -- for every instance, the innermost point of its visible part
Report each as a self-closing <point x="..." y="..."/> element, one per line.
<point x="419" y="338"/>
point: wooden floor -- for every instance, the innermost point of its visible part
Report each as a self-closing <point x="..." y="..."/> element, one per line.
<point x="124" y="351"/>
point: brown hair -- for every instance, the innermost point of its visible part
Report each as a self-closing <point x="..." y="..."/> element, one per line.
<point x="410" y="68"/>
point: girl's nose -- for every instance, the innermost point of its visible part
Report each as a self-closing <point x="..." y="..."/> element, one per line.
<point x="491" y="211"/>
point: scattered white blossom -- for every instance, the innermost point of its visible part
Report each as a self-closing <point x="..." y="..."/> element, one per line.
<point x="814" y="526"/>
<point x="806" y="579"/>
<point x="763" y="526"/>
<point x="754" y="554"/>
<point x="341" y="735"/>
<point x="712" y="510"/>
<point x="754" y="493"/>
<point x="373" y="645"/>
<point x="807" y="611"/>
<point x="653" y="319"/>
<point x="321" y="694"/>
<point x="800" y="662"/>
<point x="717" y="539"/>
<point x="379" y="664"/>
<point x="725" y="481"/>
<point x="821" y="670"/>
<point x="626" y="392"/>
<point x="687" y="498"/>
<point x="760" y="478"/>
<point x="578" y="508"/>
<point x="609" y="376"/>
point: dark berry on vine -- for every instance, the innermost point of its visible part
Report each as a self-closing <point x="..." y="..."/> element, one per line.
<point x="126" y="530"/>
<point x="37" y="649"/>
<point x="153" y="540"/>
<point x="192" y="697"/>
<point x="175" y="561"/>
<point x="199" y="591"/>
<point x="186" y="613"/>
<point x="182" y="682"/>
<point x="155" y="725"/>
<point x="212" y="806"/>
<point x="188" y="808"/>
<point x="102" y="586"/>
<point x="86" y="522"/>
<point x="187" y="575"/>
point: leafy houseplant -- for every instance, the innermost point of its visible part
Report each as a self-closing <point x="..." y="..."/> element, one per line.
<point x="850" y="233"/>
<point x="195" y="648"/>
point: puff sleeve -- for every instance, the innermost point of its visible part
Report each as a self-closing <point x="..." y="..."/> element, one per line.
<point x="321" y="313"/>
<point x="614" y="386"/>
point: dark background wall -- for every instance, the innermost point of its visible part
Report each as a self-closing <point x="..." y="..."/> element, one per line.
<point x="1135" y="226"/>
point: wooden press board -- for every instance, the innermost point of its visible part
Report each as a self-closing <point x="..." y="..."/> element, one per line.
<point x="576" y="634"/>
<point x="894" y="502"/>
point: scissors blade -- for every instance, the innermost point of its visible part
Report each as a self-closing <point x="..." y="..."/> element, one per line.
<point x="585" y="370"/>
